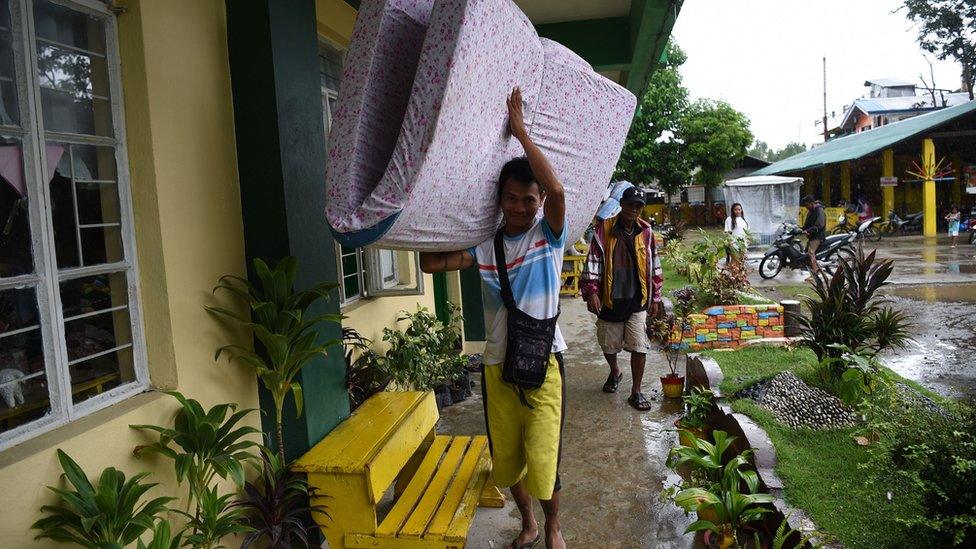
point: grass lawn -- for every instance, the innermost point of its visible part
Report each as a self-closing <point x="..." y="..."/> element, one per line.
<point x="822" y="469"/>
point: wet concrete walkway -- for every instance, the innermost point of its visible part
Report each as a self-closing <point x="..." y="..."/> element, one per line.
<point x="612" y="466"/>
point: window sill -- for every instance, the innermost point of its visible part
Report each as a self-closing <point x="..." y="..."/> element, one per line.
<point x="57" y="436"/>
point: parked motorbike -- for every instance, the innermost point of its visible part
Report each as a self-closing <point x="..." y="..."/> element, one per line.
<point x="788" y="251"/>
<point x="865" y="229"/>
<point x="904" y="225"/>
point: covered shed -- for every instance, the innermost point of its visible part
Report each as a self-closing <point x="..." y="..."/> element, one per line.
<point x="767" y="202"/>
<point x="923" y="161"/>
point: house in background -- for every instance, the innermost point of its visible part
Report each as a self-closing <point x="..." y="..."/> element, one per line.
<point x="150" y="147"/>
<point x="890" y="100"/>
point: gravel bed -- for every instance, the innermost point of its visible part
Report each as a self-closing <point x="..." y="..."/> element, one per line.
<point x="796" y="404"/>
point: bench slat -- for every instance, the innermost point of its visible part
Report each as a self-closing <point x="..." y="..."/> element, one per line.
<point x="458" y="530"/>
<point x="415" y="489"/>
<point x="474" y="460"/>
<point x="434" y="494"/>
<point x="354" y="443"/>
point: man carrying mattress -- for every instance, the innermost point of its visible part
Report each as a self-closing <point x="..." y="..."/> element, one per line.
<point x="621" y="284"/>
<point x="522" y="380"/>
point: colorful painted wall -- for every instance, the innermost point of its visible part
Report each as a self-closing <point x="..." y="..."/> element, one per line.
<point x="731" y="326"/>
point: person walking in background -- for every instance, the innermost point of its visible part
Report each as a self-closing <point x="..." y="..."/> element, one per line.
<point x="953" y="218"/>
<point x="815" y="228"/>
<point x="736" y="226"/>
<point x="621" y="284"/>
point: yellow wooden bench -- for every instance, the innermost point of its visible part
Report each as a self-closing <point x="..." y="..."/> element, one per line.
<point x="439" y="480"/>
<point x="571" y="277"/>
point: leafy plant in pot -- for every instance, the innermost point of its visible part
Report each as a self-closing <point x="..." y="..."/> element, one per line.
<point x="424" y="355"/>
<point x="699" y="404"/>
<point x="364" y="377"/>
<point x="730" y="501"/>
<point x="666" y="331"/>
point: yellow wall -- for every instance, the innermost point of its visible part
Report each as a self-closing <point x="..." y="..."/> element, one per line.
<point x="186" y="202"/>
<point x="370" y="316"/>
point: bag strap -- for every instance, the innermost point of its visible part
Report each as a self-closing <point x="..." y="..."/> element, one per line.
<point x="506" y="288"/>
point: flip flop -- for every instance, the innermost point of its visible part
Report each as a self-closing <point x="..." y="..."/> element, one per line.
<point x="612" y="383"/>
<point x="639" y="402"/>
<point x="530" y="545"/>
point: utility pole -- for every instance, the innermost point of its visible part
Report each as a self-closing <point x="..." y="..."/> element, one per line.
<point x="825" y="129"/>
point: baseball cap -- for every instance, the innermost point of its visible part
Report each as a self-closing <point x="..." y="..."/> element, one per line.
<point x="808" y="199"/>
<point x="633" y="194"/>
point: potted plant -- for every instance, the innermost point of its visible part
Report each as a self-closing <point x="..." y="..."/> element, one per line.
<point x="698" y="406"/>
<point x="723" y="507"/>
<point x="667" y="332"/>
<point x="423" y="356"/>
<point x="364" y="377"/>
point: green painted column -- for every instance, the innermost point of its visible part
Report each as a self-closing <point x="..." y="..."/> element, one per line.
<point x="472" y="305"/>
<point x="273" y="47"/>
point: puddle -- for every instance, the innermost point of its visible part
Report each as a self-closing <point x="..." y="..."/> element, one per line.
<point x="944" y="337"/>
<point x="933" y="293"/>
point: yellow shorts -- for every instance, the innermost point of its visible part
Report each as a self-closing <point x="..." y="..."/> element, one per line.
<point x="525" y="442"/>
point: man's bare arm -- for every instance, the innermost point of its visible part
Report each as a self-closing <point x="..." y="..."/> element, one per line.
<point x="440" y="262"/>
<point x="555" y="205"/>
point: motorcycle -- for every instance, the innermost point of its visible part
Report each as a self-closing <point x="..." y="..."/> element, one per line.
<point x="787" y="251"/>
<point x="865" y="229"/>
<point x="908" y="224"/>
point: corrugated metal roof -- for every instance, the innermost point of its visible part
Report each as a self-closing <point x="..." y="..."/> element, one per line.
<point x="888" y="104"/>
<point x="888" y="82"/>
<point x="865" y="143"/>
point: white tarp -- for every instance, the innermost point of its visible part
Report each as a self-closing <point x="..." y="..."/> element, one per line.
<point x="767" y="201"/>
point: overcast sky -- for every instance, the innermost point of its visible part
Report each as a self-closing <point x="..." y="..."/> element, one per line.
<point x="765" y="58"/>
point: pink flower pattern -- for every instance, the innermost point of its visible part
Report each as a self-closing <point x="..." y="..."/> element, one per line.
<point x="420" y="128"/>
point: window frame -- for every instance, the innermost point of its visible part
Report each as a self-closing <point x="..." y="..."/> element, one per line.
<point x="46" y="278"/>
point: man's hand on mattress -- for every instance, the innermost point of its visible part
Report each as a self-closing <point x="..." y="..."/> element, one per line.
<point x="516" y="120"/>
<point x="439" y="262"/>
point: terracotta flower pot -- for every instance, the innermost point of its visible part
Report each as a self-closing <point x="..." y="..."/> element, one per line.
<point x="718" y="541"/>
<point x="673" y="385"/>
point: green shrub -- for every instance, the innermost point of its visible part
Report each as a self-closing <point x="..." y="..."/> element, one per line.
<point x="107" y="515"/>
<point x="846" y="312"/>
<point x="425" y="354"/>
<point x="936" y="453"/>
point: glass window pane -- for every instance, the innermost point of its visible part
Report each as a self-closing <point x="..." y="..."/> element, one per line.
<point x="350" y="287"/>
<point x="98" y="334"/>
<point x="330" y="66"/>
<point x="9" y="109"/>
<point x="85" y="206"/>
<point x="23" y="382"/>
<point x="15" y="236"/>
<point x="388" y="267"/>
<point x="72" y="70"/>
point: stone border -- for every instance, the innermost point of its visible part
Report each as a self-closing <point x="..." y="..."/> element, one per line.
<point x="705" y="372"/>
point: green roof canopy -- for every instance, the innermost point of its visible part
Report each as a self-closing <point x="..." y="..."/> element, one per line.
<point x="862" y="144"/>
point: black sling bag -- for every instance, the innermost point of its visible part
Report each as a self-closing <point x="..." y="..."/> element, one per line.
<point x="529" y="339"/>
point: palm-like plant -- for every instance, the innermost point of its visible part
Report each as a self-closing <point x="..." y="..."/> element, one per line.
<point x="284" y="326"/>
<point x="216" y="518"/>
<point x="731" y="507"/>
<point x="275" y="506"/>
<point x="846" y="311"/>
<point x="107" y="515"/>
<point x="204" y="444"/>
<point x="162" y="538"/>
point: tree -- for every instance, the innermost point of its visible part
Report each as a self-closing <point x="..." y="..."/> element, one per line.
<point x="716" y="137"/>
<point x="791" y="149"/>
<point x="652" y="153"/>
<point x="947" y="28"/>
<point x="760" y="150"/>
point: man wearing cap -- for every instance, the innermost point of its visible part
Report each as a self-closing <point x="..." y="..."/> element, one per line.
<point x="815" y="228"/>
<point x="621" y="284"/>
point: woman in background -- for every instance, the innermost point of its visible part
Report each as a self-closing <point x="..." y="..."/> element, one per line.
<point x="736" y="225"/>
<point x="953" y="218"/>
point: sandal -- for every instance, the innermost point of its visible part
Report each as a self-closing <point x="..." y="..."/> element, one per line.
<point x="530" y="545"/>
<point x="639" y="402"/>
<point x="612" y="383"/>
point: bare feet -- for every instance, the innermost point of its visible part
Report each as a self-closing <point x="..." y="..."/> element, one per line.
<point x="528" y="534"/>
<point x="554" y="537"/>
